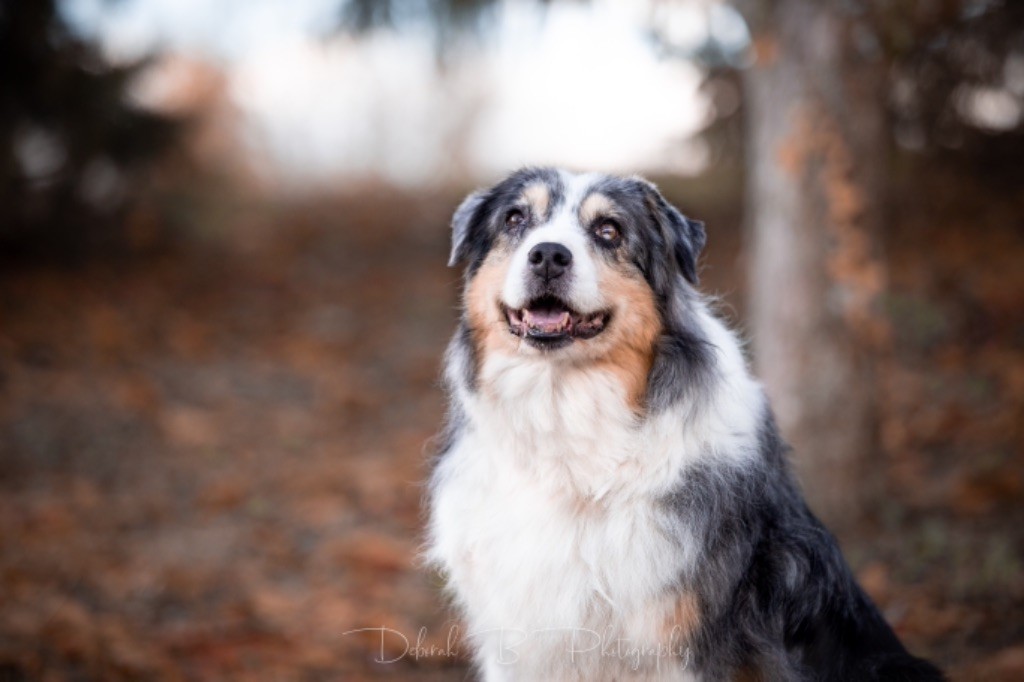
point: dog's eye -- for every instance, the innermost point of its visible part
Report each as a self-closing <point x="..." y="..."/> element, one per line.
<point x="514" y="219"/>
<point x="608" y="231"/>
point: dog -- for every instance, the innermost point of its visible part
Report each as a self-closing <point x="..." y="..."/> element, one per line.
<point x="610" y="499"/>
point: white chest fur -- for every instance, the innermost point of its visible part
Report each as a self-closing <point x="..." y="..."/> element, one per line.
<point x="546" y="517"/>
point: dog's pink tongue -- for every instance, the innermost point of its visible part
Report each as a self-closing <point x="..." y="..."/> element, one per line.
<point x="547" y="320"/>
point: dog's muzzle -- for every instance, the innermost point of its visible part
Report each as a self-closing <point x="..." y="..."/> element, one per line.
<point x="549" y="322"/>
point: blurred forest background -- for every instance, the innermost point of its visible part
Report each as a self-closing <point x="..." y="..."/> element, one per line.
<point x="223" y="300"/>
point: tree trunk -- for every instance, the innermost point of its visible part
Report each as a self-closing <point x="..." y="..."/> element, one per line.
<point x="815" y="177"/>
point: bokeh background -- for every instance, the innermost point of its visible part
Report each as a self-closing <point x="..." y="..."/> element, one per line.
<point x="223" y="300"/>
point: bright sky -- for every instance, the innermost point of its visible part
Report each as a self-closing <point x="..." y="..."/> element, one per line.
<point x="583" y="87"/>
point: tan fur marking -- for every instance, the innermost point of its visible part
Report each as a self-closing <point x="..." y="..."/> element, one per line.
<point x="749" y="674"/>
<point x="538" y="197"/>
<point x="630" y="338"/>
<point x="488" y="324"/>
<point x="683" y="618"/>
<point x="596" y="205"/>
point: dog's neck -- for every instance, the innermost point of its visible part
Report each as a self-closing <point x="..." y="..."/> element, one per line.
<point x="570" y="425"/>
<point x="576" y="427"/>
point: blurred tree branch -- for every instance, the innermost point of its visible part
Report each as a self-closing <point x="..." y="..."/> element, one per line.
<point x="72" y="144"/>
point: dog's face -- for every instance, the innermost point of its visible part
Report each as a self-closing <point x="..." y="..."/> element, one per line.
<point x="578" y="264"/>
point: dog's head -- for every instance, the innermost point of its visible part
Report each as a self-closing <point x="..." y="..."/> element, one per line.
<point x="580" y="264"/>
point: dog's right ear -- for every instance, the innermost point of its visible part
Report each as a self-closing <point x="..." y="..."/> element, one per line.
<point x="465" y="218"/>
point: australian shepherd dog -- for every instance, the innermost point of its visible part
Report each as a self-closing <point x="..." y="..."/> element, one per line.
<point x="611" y="498"/>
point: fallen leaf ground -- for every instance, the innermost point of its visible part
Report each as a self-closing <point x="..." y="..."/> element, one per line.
<point x="211" y="462"/>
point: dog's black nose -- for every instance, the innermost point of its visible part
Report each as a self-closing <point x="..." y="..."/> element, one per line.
<point x="549" y="260"/>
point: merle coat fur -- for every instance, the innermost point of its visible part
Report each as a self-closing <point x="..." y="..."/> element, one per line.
<point x="619" y="506"/>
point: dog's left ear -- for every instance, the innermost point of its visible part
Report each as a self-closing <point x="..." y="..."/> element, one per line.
<point x="685" y="237"/>
<point x="465" y="218"/>
<point x="689" y="246"/>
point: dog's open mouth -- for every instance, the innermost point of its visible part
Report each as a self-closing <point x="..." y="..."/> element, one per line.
<point x="549" y="321"/>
